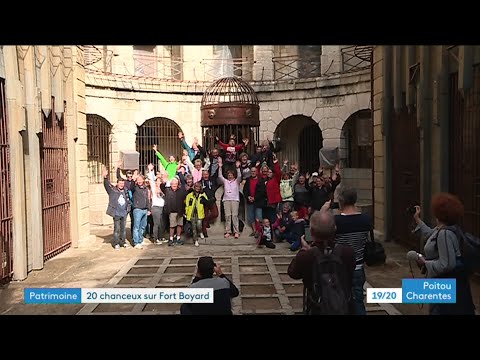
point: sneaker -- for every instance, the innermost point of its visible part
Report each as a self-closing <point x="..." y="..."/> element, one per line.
<point x="164" y="240"/>
<point x="158" y="242"/>
<point x="179" y="241"/>
<point x="171" y="242"/>
<point x="237" y="235"/>
<point x="252" y="234"/>
<point x="227" y="235"/>
<point x="138" y="246"/>
<point x="269" y="245"/>
<point x="126" y="246"/>
<point x="117" y="247"/>
<point x="196" y="243"/>
<point x="202" y="236"/>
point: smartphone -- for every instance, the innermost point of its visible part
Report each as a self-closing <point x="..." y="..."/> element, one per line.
<point x="308" y="234"/>
<point x="334" y="205"/>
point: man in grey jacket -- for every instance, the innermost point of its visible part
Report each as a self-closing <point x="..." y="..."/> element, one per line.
<point x="118" y="208"/>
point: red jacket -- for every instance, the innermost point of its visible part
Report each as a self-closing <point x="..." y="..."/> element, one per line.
<point x="273" y="186"/>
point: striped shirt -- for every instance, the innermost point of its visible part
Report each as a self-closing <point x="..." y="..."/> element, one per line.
<point x="353" y="230"/>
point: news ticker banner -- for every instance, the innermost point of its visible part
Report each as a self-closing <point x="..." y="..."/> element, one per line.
<point x="116" y="295"/>
<point x="416" y="291"/>
<point x="413" y="291"/>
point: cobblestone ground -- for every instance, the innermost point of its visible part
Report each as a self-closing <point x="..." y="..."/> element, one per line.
<point x="260" y="274"/>
<point x="265" y="287"/>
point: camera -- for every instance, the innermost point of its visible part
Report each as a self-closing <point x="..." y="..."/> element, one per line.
<point x="334" y="205"/>
<point x="410" y="211"/>
<point x="308" y="235"/>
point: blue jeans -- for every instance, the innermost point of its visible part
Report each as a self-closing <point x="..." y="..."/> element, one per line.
<point x="139" y="225"/>
<point x="357" y="288"/>
<point x="253" y="213"/>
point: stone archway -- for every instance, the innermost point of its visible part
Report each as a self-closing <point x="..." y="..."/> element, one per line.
<point x="160" y="131"/>
<point x="300" y="140"/>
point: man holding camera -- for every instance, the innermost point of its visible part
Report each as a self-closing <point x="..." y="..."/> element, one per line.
<point x="223" y="290"/>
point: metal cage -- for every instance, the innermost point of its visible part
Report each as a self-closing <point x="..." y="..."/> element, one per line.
<point x="230" y="106"/>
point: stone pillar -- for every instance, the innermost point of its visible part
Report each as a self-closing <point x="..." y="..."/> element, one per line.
<point x="34" y="178"/>
<point x="263" y="67"/>
<point x="72" y="137"/>
<point x="331" y="59"/>
<point x="78" y="157"/>
<point x="16" y="128"/>
<point x="378" y="141"/>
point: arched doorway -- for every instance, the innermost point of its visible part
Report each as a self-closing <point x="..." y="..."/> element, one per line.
<point x="300" y="139"/>
<point x="160" y="131"/>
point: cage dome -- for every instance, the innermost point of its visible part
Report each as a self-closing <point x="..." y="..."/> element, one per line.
<point x="229" y="90"/>
<point x="230" y="100"/>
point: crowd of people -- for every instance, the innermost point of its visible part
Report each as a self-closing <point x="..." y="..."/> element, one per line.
<point x="282" y="204"/>
<point x="179" y="197"/>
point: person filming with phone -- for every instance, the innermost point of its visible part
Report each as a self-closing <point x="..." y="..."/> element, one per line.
<point x="223" y="290"/>
<point x="442" y="253"/>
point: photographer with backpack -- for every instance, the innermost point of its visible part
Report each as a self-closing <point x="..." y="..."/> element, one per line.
<point x="325" y="268"/>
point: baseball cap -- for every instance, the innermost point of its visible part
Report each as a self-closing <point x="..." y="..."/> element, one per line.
<point x="315" y="174"/>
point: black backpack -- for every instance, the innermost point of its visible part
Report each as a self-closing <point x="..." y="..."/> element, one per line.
<point x="469" y="247"/>
<point x="330" y="294"/>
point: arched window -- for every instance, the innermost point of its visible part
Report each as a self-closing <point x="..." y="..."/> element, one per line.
<point x="99" y="148"/>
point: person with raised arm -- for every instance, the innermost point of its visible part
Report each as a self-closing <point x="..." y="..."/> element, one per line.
<point x="231" y="151"/>
<point x="170" y="165"/>
<point x="231" y="198"/>
<point x="195" y="151"/>
<point x="118" y="208"/>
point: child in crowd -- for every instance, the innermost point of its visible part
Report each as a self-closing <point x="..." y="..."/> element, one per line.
<point x="264" y="234"/>
<point x="298" y="230"/>
<point x="282" y="227"/>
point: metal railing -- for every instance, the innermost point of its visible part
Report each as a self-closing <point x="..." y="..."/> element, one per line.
<point x="356" y="58"/>
<point x="294" y="67"/>
<point x="163" y="68"/>
<point x="97" y="59"/>
<point x="217" y="68"/>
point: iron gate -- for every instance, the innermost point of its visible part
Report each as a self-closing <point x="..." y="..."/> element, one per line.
<point x="309" y="144"/>
<point x="405" y="176"/>
<point x="465" y="150"/>
<point x="164" y="133"/>
<point x="99" y="149"/>
<point x="300" y="140"/>
<point x="55" y="196"/>
<point x="6" y="218"/>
